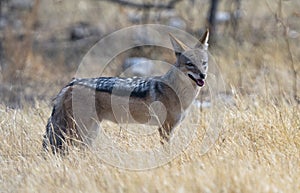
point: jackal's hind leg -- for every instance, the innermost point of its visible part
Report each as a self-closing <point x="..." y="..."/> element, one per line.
<point x="164" y="136"/>
<point x="165" y="132"/>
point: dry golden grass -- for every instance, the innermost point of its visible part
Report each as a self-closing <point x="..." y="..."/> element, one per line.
<point x="258" y="149"/>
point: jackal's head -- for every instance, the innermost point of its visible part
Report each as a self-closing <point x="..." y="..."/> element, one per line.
<point x="193" y="62"/>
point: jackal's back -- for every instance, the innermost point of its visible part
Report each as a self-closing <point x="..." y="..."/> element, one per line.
<point x="136" y="87"/>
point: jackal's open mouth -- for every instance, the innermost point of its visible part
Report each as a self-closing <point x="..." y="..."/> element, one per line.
<point x="200" y="82"/>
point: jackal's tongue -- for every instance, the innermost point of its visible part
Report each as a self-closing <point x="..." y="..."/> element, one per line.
<point x="200" y="82"/>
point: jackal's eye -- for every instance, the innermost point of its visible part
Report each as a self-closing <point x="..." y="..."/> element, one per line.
<point x="189" y="63"/>
<point x="204" y="63"/>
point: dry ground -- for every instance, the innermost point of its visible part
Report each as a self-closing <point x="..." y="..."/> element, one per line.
<point x="258" y="149"/>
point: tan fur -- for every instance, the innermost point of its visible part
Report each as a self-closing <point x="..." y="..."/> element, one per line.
<point x="78" y="108"/>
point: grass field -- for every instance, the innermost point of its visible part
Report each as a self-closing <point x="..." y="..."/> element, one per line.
<point x="258" y="148"/>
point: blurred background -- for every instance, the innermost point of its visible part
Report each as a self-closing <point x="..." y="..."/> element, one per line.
<point x="256" y="44"/>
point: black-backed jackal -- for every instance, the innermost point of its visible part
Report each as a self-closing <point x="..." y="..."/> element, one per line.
<point x="162" y="100"/>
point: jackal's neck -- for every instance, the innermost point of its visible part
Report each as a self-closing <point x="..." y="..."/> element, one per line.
<point x="184" y="87"/>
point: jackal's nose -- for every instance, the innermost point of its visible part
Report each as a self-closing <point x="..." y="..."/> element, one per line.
<point x="202" y="76"/>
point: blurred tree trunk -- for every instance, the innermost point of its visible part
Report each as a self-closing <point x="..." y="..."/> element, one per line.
<point x="212" y="17"/>
<point x="235" y="18"/>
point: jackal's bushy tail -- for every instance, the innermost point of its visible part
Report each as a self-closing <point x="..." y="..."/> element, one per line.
<point x="57" y="125"/>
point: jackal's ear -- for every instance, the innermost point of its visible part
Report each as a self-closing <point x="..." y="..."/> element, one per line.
<point x="178" y="45"/>
<point x="203" y="41"/>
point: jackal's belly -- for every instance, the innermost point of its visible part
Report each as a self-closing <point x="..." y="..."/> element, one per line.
<point x="130" y="110"/>
<point x="132" y="113"/>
